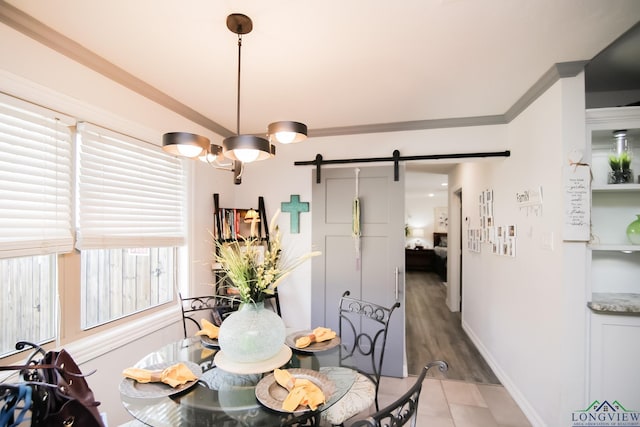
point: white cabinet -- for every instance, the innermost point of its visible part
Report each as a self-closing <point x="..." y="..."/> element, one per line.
<point x="615" y="352"/>
<point x="613" y="264"/>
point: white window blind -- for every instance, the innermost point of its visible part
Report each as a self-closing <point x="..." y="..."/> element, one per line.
<point x="130" y="193"/>
<point x="35" y="180"/>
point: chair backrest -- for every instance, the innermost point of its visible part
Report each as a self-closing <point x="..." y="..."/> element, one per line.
<point x="363" y="328"/>
<point x="210" y="306"/>
<point x="274" y="300"/>
<point x="405" y="408"/>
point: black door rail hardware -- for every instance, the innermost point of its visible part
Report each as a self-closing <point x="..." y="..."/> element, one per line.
<point x="396" y="159"/>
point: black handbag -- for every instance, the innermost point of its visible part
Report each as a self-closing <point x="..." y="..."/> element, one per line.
<point x="61" y="395"/>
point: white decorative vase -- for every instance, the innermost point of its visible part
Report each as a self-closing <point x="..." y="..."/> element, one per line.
<point x="251" y="334"/>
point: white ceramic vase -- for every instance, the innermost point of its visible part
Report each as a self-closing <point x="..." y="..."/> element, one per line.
<point x="251" y="334"/>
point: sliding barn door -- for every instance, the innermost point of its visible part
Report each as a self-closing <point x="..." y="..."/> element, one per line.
<point x="379" y="274"/>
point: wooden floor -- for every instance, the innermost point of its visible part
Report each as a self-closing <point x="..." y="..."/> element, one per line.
<point x="435" y="333"/>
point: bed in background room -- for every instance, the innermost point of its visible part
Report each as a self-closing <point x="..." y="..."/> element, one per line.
<point x="440" y="260"/>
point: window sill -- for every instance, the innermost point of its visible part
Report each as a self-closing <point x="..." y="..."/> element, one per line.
<point x="86" y="349"/>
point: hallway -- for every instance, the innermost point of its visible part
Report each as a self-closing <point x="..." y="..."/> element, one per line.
<point x="435" y="333"/>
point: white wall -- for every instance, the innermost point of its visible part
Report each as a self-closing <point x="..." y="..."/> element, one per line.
<point x="515" y="309"/>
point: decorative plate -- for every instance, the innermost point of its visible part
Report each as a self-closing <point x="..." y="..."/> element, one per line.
<point x="272" y="395"/>
<point x="209" y="342"/>
<point x="132" y="388"/>
<point x="314" y="347"/>
<point x="223" y="362"/>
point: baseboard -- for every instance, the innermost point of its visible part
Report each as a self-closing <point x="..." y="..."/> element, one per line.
<point x="523" y="403"/>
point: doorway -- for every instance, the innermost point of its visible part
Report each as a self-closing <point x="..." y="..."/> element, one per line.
<point x="433" y="330"/>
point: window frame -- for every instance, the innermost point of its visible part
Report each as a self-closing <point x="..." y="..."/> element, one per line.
<point x="94" y="342"/>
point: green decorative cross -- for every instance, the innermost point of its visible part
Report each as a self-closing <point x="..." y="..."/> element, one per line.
<point x="294" y="207"/>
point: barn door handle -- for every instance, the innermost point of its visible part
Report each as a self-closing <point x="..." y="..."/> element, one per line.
<point x="397" y="272"/>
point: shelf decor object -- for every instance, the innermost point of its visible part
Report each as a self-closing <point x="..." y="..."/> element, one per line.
<point x="294" y="207"/>
<point x="633" y="231"/>
<point x="620" y="160"/>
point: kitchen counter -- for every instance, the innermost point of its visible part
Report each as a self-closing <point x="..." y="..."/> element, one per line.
<point x="615" y="303"/>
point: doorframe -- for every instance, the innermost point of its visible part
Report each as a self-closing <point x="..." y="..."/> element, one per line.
<point x="454" y="255"/>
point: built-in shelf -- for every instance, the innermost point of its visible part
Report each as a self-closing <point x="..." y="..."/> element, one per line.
<point x="613" y="264"/>
<point x="613" y="247"/>
<point x="615" y="303"/>
<point x="615" y="187"/>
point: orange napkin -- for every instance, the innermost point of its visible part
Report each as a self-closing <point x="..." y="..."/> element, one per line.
<point x="206" y="352"/>
<point x="319" y="334"/>
<point x="301" y="391"/>
<point x="208" y="329"/>
<point x="174" y="375"/>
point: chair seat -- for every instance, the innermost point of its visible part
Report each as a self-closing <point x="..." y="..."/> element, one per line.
<point x="359" y="398"/>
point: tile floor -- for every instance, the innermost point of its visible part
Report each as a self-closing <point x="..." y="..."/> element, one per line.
<point x="452" y="403"/>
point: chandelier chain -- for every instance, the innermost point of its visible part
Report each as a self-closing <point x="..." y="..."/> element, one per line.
<point x="238" y="94"/>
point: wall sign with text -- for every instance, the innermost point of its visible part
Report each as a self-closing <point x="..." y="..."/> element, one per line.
<point x="577" y="203"/>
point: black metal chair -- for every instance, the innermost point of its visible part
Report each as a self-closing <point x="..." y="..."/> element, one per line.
<point x="363" y="328"/>
<point x="274" y="300"/>
<point x="405" y="408"/>
<point x="211" y="307"/>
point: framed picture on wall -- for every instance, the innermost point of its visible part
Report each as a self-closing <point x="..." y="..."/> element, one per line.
<point x="441" y="219"/>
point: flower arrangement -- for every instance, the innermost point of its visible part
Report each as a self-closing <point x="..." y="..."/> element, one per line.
<point x="254" y="269"/>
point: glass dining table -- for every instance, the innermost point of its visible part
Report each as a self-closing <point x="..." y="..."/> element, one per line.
<point x="221" y="398"/>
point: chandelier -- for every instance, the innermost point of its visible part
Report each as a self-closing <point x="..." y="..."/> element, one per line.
<point x="239" y="148"/>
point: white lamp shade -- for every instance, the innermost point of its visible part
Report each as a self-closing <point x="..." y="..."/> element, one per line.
<point x="287" y="132"/>
<point x="184" y="144"/>
<point x="247" y="148"/>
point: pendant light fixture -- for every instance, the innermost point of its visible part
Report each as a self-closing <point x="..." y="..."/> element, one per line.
<point x="239" y="148"/>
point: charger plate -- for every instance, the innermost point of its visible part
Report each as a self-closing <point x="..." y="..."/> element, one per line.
<point x="225" y="363"/>
<point x="132" y="388"/>
<point x="271" y="394"/>
<point x="209" y="342"/>
<point x="314" y="347"/>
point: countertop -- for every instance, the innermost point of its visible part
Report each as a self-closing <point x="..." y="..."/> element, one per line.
<point x="615" y="303"/>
